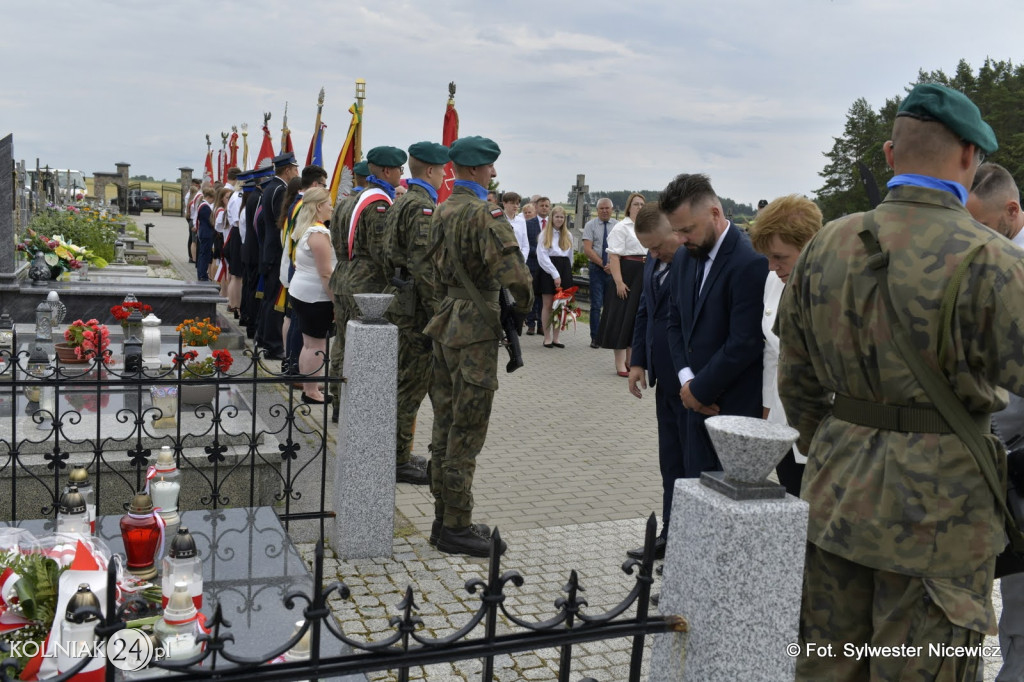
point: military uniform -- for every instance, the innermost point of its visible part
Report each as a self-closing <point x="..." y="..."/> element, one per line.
<point x="407" y="239"/>
<point x="907" y="504"/>
<point x="465" y="354"/>
<point x="342" y="301"/>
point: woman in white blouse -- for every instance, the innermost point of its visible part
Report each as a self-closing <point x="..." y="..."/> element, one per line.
<point x="626" y="257"/>
<point x="554" y="255"/>
<point x="309" y="289"/>
<point x="781" y="231"/>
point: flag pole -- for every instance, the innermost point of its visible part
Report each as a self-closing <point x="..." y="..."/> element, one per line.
<point x="357" y="150"/>
<point x="245" y="146"/>
<point x="284" y="130"/>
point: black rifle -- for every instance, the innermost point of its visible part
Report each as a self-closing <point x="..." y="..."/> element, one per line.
<point x="512" y="325"/>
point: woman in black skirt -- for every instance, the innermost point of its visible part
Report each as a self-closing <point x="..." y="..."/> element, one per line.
<point x="626" y="257"/>
<point x="554" y="255"/>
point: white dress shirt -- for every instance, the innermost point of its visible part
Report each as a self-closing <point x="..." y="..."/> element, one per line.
<point x="773" y="288"/>
<point x="544" y="254"/>
<point x="518" y="224"/>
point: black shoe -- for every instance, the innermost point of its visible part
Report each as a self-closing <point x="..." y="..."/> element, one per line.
<point x="468" y="541"/>
<point x="558" y="345"/>
<point x="595" y="344"/>
<point x="435" y="531"/>
<point x="421" y="462"/>
<point x="659" y="550"/>
<point x="335" y="411"/>
<point x="410" y="473"/>
<point x="529" y="331"/>
<point x="328" y="399"/>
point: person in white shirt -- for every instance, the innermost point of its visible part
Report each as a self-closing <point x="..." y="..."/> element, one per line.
<point x="994" y="202"/>
<point x="554" y="258"/>
<point x="626" y="256"/>
<point x="780" y="232"/>
<point x="510" y="202"/>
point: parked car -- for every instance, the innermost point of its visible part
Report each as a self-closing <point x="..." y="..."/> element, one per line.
<point x="147" y="199"/>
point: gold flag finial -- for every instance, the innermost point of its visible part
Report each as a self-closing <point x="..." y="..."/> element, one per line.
<point x="320" y="99"/>
<point x="266" y="118"/>
<point x="451" y="93"/>
<point x="208" y="143"/>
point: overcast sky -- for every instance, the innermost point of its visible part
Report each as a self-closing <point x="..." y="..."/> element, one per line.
<point x="749" y="92"/>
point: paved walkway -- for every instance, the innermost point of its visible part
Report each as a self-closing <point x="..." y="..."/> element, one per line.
<point x="569" y="474"/>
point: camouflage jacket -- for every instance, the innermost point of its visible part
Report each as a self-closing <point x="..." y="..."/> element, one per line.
<point x="339" y="238"/>
<point x="912" y="503"/>
<point x="365" y="272"/>
<point x="405" y="244"/>
<point x="480" y="237"/>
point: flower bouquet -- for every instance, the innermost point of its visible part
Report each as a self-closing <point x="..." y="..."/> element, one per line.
<point x="87" y="339"/>
<point x="123" y="310"/>
<point x="198" y="332"/>
<point x="61" y="255"/>
<point x="564" y="308"/>
<point x="193" y="368"/>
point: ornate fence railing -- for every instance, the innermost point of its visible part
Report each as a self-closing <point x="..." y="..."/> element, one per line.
<point x="256" y="445"/>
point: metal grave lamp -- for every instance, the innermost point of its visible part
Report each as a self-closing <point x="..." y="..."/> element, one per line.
<point x="165" y="486"/>
<point x="79" y="477"/>
<point x="6" y="338"/>
<point x="182" y="565"/>
<point x="57" y="308"/>
<point x="39" y="272"/>
<point x="78" y="633"/>
<point x="118" y="253"/>
<point x="177" y="631"/>
<point x="73" y="513"/>
<point x="43" y="343"/>
<point x="142" y="531"/>
<point x="132" y="354"/>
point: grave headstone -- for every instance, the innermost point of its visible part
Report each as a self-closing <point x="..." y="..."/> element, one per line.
<point x="7" y="234"/>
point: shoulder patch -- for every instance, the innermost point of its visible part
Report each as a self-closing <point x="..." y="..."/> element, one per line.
<point x="382" y="209"/>
<point x="497" y="213"/>
<point x="428" y="211"/>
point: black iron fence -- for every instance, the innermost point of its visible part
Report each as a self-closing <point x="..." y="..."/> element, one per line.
<point x="46" y="421"/>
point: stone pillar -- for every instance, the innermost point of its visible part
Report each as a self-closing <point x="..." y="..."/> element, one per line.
<point x="734" y="564"/>
<point x="122" y="170"/>
<point x="364" y="475"/>
<point x="186" y="184"/>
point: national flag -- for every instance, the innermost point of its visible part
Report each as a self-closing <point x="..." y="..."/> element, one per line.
<point x="315" y="155"/>
<point x="208" y="172"/>
<point x="341" y="181"/>
<point x="266" y="149"/>
<point x="286" y="141"/>
<point x="449" y="134"/>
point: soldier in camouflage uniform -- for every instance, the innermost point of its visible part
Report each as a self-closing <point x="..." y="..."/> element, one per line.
<point x="479" y="254"/>
<point x="406" y="245"/>
<point x="903" y="529"/>
<point x="339" y="237"/>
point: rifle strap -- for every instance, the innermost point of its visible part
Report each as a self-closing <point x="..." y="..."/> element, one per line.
<point x="935" y="385"/>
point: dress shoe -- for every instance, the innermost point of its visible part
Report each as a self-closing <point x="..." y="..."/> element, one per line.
<point x="530" y="331"/>
<point x="595" y="344"/>
<point x="549" y="345"/>
<point x="623" y="374"/>
<point x="558" y="345"/>
<point x="328" y="399"/>
<point x="410" y="473"/>
<point x="435" y="531"/>
<point x="421" y="462"/>
<point x="468" y="540"/>
<point x="659" y="550"/>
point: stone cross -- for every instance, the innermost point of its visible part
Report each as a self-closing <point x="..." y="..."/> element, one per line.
<point x="580" y="189"/>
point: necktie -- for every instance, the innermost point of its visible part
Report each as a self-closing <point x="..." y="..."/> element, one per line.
<point x="699" y="279"/>
<point x="543" y="223"/>
<point x="604" y="245"/>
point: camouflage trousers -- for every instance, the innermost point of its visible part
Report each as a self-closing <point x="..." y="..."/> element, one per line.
<point x="464" y="382"/>
<point x="859" y="623"/>
<point x="337" y="354"/>
<point x="415" y="359"/>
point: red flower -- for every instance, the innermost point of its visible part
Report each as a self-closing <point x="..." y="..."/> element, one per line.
<point x="222" y="360"/>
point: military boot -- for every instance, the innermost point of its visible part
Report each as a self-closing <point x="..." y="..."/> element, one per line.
<point x="468" y="540"/>
<point x="410" y="473"/>
<point x="435" y="531"/>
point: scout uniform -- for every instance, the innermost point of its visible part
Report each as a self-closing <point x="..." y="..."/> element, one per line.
<point x="479" y="242"/>
<point x="903" y="529"/>
<point x="406" y="243"/>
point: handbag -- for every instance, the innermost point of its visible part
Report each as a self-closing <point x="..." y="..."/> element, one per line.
<point x="984" y="450"/>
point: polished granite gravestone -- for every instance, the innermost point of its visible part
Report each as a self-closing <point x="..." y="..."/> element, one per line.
<point x="249" y="566"/>
<point x="733" y="564"/>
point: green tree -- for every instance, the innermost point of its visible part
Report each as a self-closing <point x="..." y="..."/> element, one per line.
<point x="998" y="90"/>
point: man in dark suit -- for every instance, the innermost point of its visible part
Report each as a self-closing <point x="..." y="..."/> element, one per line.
<point x="714" y="330"/>
<point x="534" y="226"/>
<point x="651" y="355"/>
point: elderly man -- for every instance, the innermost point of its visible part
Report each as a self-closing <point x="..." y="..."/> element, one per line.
<point x="595" y="246"/>
<point x="903" y="529"/>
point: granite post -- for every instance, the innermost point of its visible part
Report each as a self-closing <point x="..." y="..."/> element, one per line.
<point x="364" y="473"/>
<point x="7" y="235"/>
<point x="734" y="564"/>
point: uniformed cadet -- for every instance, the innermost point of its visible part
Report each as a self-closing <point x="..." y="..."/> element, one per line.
<point x="339" y="238"/>
<point x="903" y="528"/>
<point x="479" y="255"/>
<point x="406" y="246"/>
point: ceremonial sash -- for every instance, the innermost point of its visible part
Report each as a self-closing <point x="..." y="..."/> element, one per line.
<point x="368" y="197"/>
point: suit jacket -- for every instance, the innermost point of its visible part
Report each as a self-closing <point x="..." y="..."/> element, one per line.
<point x="532" y="232"/>
<point x="719" y="338"/>
<point x="650" y="341"/>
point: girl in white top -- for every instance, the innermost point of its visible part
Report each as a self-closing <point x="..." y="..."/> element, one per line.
<point x="554" y="255"/>
<point x="220" y="224"/>
<point x="310" y="286"/>
<point x="780" y="232"/>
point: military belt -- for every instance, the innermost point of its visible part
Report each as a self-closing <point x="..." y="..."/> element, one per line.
<point x="916" y="419"/>
<point x="461" y="294"/>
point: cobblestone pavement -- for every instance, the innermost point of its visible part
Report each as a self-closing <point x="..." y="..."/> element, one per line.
<point x="568" y="474"/>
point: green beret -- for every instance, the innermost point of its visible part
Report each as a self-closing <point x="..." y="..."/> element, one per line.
<point x="386" y="157"/>
<point x="953" y="109"/>
<point x="362" y="168"/>
<point x="474" y="151"/>
<point x="429" y="152"/>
